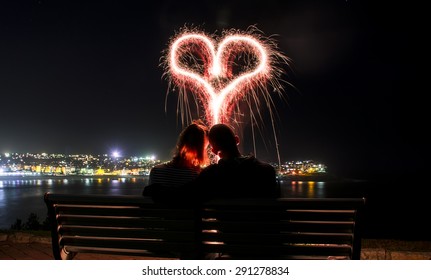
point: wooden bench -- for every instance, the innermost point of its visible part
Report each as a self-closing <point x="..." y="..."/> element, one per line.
<point x="284" y="228"/>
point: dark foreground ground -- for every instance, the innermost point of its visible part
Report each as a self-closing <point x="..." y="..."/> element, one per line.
<point x="27" y="246"/>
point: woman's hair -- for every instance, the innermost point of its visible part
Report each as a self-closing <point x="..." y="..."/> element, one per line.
<point x="191" y="146"/>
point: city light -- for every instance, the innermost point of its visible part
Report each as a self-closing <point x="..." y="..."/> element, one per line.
<point x="37" y="164"/>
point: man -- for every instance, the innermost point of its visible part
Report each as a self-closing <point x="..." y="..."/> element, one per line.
<point x="235" y="175"/>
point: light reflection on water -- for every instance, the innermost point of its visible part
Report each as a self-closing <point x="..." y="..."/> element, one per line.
<point x="304" y="189"/>
<point x="20" y="197"/>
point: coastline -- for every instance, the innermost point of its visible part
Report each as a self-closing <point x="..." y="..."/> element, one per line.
<point x="67" y="177"/>
<point x="281" y="178"/>
<point x="329" y="178"/>
<point x="287" y="178"/>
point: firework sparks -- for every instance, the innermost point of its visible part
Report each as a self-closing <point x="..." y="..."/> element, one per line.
<point x="220" y="73"/>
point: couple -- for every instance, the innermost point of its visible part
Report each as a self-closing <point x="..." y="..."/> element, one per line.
<point x="188" y="177"/>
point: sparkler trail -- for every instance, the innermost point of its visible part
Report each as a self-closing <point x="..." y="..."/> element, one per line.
<point x="221" y="73"/>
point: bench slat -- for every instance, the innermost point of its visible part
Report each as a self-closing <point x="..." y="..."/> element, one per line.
<point x="125" y="222"/>
<point x="292" y="226"/>
<point x="126" y="243"/>
<point x="158" y="253"/>
<point x="256" y="215"/>
<point x="123" y="210"/>
<point x="279" y="238"/>
<point x="322" y="251"/>
<point x="129" y="232"/>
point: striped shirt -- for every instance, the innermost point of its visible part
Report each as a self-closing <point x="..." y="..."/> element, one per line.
<point x="171" y="176"/>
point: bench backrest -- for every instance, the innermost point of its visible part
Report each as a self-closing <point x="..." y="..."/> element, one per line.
<point x="285" y="228"/>
<point x="288" y="228"/>
<point x="131" y="225"/>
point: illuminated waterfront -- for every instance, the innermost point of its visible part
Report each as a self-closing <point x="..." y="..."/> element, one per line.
<point x="384" y="206"/>
<point x="19" y="197"/>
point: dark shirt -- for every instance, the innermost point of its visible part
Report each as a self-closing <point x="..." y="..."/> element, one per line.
<point x="242" y="177"/>
<point x="171" y="175"/>
<point x="166" y="183"/>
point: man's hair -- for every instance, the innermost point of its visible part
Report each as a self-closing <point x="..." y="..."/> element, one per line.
<point x="223" y="137"/>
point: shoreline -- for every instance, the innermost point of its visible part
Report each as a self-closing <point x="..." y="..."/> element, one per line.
<point x="304" y="178"/>
<point x="68" y="177"/>
<point x="319" y="178"/>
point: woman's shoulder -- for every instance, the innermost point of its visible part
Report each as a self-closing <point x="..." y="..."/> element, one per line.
<point x="160" y="165"/>
<point x="172" y="167"/>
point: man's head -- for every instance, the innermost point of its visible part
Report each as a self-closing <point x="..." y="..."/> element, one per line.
<point x="223" y="141"/>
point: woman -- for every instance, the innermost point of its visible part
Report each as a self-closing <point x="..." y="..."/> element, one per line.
<point x="189" y="158"/>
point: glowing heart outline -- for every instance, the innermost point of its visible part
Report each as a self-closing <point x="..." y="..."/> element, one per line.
<point x="219" y="102"/>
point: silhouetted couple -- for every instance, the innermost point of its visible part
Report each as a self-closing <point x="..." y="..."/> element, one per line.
<point x="188" y="177"/>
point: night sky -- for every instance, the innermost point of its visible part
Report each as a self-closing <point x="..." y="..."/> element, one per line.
<point x="84" y="77"/>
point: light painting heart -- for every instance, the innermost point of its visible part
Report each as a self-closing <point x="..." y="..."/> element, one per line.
<point x="203" y="66"/>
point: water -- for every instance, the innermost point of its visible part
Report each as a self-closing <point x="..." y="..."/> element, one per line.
<point x="393" y="209"/>
<point x="20" y="197"/>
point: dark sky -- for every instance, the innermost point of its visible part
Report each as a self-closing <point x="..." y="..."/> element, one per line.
<point x="84" y="77"/>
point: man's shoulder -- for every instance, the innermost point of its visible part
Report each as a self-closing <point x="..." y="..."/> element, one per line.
<point x="257" y="162"/>
<point x="266" y="165"/>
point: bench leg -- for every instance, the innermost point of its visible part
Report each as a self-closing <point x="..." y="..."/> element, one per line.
<point x="65" y="255"/>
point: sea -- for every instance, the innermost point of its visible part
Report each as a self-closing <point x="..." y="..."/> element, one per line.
<point x="394" y="209"/>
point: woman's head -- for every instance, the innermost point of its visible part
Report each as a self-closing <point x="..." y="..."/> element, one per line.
<point x="191" y="148"/>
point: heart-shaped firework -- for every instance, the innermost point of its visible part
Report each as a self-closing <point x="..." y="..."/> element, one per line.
<point x="240" y="66"/>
